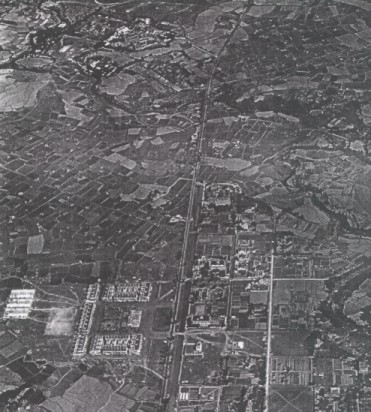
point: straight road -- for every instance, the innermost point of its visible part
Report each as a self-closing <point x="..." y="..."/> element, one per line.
<point x="270" y="313"/>
<point x="269" y="336"/>
<point x="173" y="365"/>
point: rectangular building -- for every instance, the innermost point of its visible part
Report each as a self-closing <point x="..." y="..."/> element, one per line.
<point x="116" y="345"/>
<point x="127" y="292"/>
<point x="135" y="318"/>
<point x="19" y="304"/>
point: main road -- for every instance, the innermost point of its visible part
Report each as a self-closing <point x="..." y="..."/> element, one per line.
<point x="173" y="364"/>
<point x="269" y="336"/>
<point x="270" y="315"/>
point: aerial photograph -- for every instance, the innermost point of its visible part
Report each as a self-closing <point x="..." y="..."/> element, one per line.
<point x="185" y="205"/>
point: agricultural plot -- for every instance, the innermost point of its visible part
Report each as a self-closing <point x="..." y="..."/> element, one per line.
<point x="248" y="343"/>
<point x="112" y="112"/>
<point x="294" y="302"/>
<point x="10" y="347"/>
<point x="62" y="379"/>
<point x="140" y="376"/>
<point x="292" y="343"/>
<point x="156" y="356"/>
<point x="162" y="319"/>
<point x="86" y="394"/>
<point x="12" y="96"/>
<point x="233" y="165"/>
<point x="294" y="266"/>
<point x="286" y="370"/>
<point x="291" y="399"/>
<point x="359" y="300"/>
<point x="205" y="370"/>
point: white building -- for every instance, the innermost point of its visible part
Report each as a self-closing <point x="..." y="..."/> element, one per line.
<point x="81" y="345"/>
<point x="116" y="345"/>
<point x="19" y="303"/>
<point x="86" y="320"/>
<point x="127" y="292"/>
<point x="93" y="293"/>
<point x="135" y="318"/>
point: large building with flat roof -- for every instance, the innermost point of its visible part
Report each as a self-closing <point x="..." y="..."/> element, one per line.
<point x="135" y="317"/>
<point x="116" y="345"/>
<point x="19" y="304"/>
<point x="127" y="292"/>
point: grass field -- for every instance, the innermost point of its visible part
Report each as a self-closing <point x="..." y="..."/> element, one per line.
<point x="143" y="376"/>
<point x="86" y="394"/>
<point x="235" y="165"/>
<point x="284" y="290"/>
<point x="162" y="319"/>
<point x="158" y="350"/>
<point x="290" y="343"/>
<point x="166" y="291"/>
<point x="253" y="341"/>
<point x="62" y="379"/>
<point x="205" y="370"/>
<point x="291" y="399"/>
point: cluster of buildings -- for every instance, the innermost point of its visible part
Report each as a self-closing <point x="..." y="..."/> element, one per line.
<point x="110" y="344"/>
<point x="318" y="264"/>
<point x="230" y="288"/>
<point x="251" y="261"/>
<point x="116" y="345"/>
<point x="86" y="320"/>
<point x="326" y="398"/>
<point x="332" y="378"/>
<point x="224" y="289"/>
<point x="248" y="306"/>
<point x="233" y="384"/>
<point x="219" y="195"/>
<point x="252" y="265"/>
<point x="197" y="394"/>
<point x="193" y="349"/>
<point x="19" y="303"/>
<point x="142" y="35"/>
<point x="135" y="318"/>
<point x="212" y="268"/>
<point x="291" y="370"/>
<point x="209" y="296"/>
<point x="93" y="293"/>
<point x="127" y="292"/>
<point x="218" y="203"/>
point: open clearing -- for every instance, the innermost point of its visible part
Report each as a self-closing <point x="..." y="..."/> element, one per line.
<point x="60" y="321"/>
<point x="162" y="319"/>
<point x="291" y="399"/>
<point x="232" y="164"/>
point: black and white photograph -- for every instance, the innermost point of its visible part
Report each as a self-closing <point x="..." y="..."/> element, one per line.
<point x="185" y="205"/>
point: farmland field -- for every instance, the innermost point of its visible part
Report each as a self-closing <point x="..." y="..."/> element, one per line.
<point x="162" y="319"/>
<point x="235" y="165"/>
<point x="291" y="343"/>
<point x="291" y="399"/>
<point x="205" y="369"/>
<point x="314" y="290"/>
